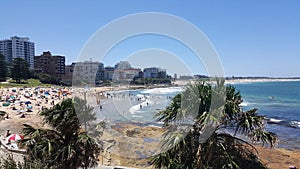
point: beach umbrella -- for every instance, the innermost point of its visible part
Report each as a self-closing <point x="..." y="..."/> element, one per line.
<point x="28" y="102"/>
<point x="5" y="104"/>
<point x="15" y="137"/>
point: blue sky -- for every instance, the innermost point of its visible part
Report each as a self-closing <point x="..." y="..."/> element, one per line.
<point x="252" y="38"/>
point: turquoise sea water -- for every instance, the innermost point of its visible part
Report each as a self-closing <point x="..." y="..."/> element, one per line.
<point x="278" y="101"/>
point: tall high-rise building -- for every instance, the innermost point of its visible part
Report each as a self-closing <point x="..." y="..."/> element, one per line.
<point x="18" y="47"/>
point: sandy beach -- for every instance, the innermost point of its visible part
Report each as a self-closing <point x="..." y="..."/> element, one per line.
<point x="125" y="144"/>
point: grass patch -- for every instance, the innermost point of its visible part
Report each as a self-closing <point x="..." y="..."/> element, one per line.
<point x="27" y="83"/>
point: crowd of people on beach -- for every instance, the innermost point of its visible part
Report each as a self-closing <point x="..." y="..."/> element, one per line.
<point x="22" y="100"/>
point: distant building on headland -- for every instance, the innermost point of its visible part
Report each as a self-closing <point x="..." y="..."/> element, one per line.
<point x="200" y="77"/>
<point x="47" y="63"/>
<point x="18" y="47"/>
<point x="175" y="76"/>
<point x="190" y="77"/>
<point x="186" y="77"/>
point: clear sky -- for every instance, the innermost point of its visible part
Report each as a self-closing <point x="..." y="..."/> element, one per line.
<point x="252" y="38"/>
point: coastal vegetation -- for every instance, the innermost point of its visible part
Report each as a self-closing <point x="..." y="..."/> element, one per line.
<point x="19" y="70"/>
<point x="219" y="134"/>
<point x="3" y="68"/>
<point x="150" y="81"/>
<point x="28" y="83"/>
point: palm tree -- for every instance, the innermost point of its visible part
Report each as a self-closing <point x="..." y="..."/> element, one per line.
<point x="207" y="128"/>
<point x="84" y="112"/>
<point x="64" y="144"/>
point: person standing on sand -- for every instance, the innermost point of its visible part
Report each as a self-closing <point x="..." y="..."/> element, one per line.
<point x="7" y="133"/>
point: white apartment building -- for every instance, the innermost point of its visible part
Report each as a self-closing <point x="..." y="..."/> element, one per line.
<point x="18" y="47"/>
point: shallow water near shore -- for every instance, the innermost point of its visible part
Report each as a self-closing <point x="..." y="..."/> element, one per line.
<point x="278" y="101"/>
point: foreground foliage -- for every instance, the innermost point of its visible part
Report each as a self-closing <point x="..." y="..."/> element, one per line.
<point x="211" y="133"/>
<point x="63" y="144"/>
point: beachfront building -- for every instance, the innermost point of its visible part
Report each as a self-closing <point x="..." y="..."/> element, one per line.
<point x="68" y="76"/>
<point x="155" y="72"/>
<point x="125" y="74"/>
<point x="47" y="63"/>
<point x="122" y="65"/>
<point x="18" y="47"/>
<point x="100" y="74"/>
<point x="88" y="73"/>
<point x="108" y="73"/>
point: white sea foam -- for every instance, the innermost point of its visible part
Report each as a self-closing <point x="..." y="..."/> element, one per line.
<point x="168" y="90"/>
<point x="140" y="106"/>
<point x="275" y="120"/>
<point x="295" y="124"/>
<point x="244" y="104"/>
<point x="140" y="95"/>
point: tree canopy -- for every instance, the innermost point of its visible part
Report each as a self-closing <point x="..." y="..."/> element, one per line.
<point x="3" y="68"/>
<point x="202" y="132"/>
<point x="19" y="70"/>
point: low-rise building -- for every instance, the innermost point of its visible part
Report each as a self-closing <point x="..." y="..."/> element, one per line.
<point x="68" y="76"/>
<point x="126" y="74"/>
<point x="155" y="72"/>
<point x="108" y="73"/>
<point x="87" y="73"/>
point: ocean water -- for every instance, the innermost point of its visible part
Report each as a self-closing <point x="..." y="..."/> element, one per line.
<point x="279" y="102"/>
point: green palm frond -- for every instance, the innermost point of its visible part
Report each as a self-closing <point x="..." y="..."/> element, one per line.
<point x="198" y="124"/>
